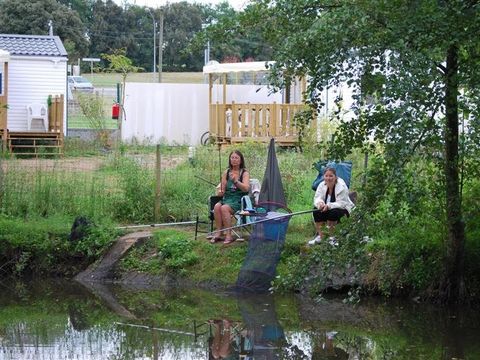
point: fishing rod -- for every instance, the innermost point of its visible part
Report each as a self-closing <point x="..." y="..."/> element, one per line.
<point x="156" y="328"/>
<point x="206" y="180"/>
<point x="157" y="225"/>
<point x="265" y="220"/>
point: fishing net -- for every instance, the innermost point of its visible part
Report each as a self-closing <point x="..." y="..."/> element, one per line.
<point x="264" y="249"/>
<point x="269" y="228"/>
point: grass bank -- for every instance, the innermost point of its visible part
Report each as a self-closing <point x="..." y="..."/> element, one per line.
<point x="392" y="244"/>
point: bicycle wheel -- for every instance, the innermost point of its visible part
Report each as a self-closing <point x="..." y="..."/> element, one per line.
<point x="205" y="138"/>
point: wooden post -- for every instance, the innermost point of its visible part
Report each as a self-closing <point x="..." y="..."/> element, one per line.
<point x="212" y="126"/>
<point x="224" y="89"/>
<point x="256" y="118"/>
<point x="235" y="115"/>
<point x="158" y="169"/>
<point x="273" y="121"/>
<point x="59" y="119"/>
<point x="3" y="110"/>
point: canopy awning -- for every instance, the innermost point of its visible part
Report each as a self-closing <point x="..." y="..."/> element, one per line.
<point x="4" y="56"/>
<point x="213" y="67"/>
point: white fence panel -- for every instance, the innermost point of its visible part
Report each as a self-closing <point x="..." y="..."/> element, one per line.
<point x="178" y="113"/>
<point x="168" y="113"/>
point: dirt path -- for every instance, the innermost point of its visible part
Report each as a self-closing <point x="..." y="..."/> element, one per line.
<point x="86" y="163"/>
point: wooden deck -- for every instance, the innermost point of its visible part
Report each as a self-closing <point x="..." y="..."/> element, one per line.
<point x="254" y="122"/>
<point x="35" y="143"/>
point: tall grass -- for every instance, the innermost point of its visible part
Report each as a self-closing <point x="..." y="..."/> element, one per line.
<point x="43" y="193"/>
<point x="123" y="188"/>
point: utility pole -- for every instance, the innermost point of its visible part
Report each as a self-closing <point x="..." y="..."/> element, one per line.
<point x="160" y="49"/>
<point x="154" y="44"/>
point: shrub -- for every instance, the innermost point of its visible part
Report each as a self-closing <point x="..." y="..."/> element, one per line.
<point x="175" y="249"/>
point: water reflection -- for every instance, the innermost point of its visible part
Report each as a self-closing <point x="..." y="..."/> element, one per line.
<point x="62" y="320"/>
<point x="258" y="336"/>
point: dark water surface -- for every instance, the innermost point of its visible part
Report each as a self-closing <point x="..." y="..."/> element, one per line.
<point x="67" y="320"/>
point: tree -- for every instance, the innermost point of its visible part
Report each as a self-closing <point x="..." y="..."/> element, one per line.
<point x="108" y="30"/>
<point x="140" y="25"/>
<point x="428" y="61"/>
<point x="120" y="63"/>
<point x="32" y="17"/>
<point x="182" y="21"/>
<point x="82" y="7"/>
<point x="244" y="43"/>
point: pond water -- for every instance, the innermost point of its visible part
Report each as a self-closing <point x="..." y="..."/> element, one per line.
<point x="67" y="320"/>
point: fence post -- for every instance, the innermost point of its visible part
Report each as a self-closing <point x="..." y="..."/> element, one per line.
<point x="158" y="169"/>
<point x="274" y="120"/>
<point x="61" y="104"/>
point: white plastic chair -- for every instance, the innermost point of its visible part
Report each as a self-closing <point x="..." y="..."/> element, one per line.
<point x="37" y="112"/>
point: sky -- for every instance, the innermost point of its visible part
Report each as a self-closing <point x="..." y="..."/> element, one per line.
<point x="236" y="4"/>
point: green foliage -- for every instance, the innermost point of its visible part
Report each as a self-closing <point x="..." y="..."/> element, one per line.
<point x="176" y="250"/>
<point x="302" y="120"/>
<point x="182" y="20"/>
<point x="119" y="62"/>
<point x="93" y="108"/>
<point x="137" y="185"/>
<point x="32" y="17"/>
<point x="410" y="76"/>
<point x="400" y="210"/>
<point x="76" y="147"/>
<point x="44" y="193"/>
<point x="170" y="251"/>
<point x="408" y="231"/>
<point x="472" y="227"/>
<point x="41" y="246"/>
<point x="100" y="237"/>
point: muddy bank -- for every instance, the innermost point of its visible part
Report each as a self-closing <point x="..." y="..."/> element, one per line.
<point x="108" y="270"/>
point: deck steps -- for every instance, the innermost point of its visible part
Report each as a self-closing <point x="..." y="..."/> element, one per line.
<point x="35" y="144"/>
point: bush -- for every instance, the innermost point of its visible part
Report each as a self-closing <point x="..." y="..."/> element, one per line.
<point x="41" y="246"/>
<point x="175" y="250"/>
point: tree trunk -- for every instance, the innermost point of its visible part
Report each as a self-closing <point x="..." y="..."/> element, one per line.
<point x="452" y="289"/>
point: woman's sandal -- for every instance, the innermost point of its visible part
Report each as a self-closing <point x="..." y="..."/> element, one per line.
<point x="215" y="239"/>
<point x="228" y="241"/>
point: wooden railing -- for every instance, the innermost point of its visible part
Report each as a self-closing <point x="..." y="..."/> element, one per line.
<point x="239" y="122"/>
<point x="55" y="114"/>
<point x="3" y="115"/>
<point x="3" y="123"/>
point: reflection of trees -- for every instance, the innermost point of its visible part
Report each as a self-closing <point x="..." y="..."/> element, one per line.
<point x="394" y="329"/>
<point x="47" y="316"/>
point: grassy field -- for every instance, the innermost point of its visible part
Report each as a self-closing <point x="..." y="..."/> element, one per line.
<point x="81" y="122"/>
<point x="111" y="79"/>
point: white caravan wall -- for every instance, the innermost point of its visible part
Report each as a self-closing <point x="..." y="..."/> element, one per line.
<point x="31" y="80"/>
<point x="167" y="113"/>
<point x="178" y="113"/>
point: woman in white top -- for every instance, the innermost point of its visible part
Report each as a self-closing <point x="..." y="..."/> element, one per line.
<point x="332" y="203"/>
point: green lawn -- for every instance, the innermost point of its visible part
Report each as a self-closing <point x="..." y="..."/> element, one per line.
<point x="111" y="79"/>
<point x="81" y="122"/>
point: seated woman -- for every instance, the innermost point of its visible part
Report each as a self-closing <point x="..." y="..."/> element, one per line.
<point x="332" y="202"/>
<point x="221" y="344"/>
<point x="234" y="185"/>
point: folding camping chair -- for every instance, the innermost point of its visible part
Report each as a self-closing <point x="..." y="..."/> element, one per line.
<point x="247" y="205"/>
<point x="344" y="171"/>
